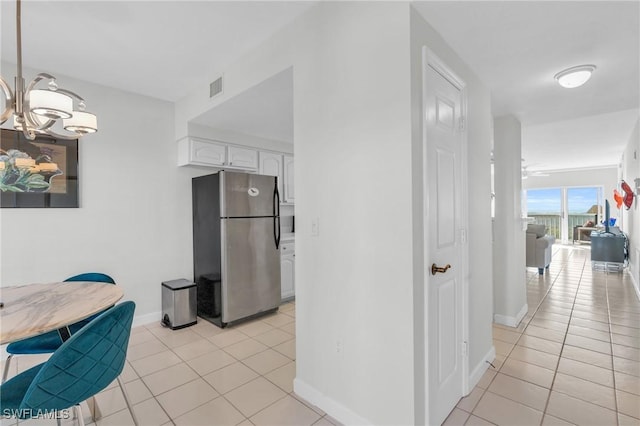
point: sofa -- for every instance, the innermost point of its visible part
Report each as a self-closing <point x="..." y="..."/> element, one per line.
<point x="539" y="247"/>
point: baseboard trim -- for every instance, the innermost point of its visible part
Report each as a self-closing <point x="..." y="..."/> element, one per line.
<point x="328" y="405"/>
<point x="636" y="287"/>
<point x="481" y="368"/>
<point x="146" y="319"/>
<point x="511" y="321"/>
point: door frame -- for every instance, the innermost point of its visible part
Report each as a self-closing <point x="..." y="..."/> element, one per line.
<point x="430" y="59"/>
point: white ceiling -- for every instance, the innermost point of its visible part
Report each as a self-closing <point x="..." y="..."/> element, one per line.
<point x="516" y="47"/>
<point x="166" y="49"/>
<point x="162" y="49"/>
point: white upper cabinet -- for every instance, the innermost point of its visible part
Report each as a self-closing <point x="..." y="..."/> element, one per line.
<point x="242" y="158"/>
<point x="219" y="155"/>
<point x="271" y="165"/>
<point x="201" y="152"/>
<point x="288" y="179"/>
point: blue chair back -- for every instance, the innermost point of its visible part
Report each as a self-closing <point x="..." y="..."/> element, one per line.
<point x="85" y="364"/>
<point x="93" y="277"/>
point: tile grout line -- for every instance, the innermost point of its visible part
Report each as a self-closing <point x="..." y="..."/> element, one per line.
<point x="613" y="371"/>
<point x="555" y="372"/>
<point x="498" y="370"/>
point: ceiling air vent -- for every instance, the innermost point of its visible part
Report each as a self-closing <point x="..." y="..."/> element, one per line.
<point x="215" y="88"/>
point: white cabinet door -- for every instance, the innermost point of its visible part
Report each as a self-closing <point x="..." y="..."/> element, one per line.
<point x="288" y="179"/>
<point x="243" y="158"/>
<point x="287" y="271"/>
<point x="207" y="153"/>
<point x="271" y="165"/>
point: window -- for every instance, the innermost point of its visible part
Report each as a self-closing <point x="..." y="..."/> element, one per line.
<point x="561" y="209"/>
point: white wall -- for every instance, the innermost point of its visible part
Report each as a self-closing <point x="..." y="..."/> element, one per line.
<point x="631" y="217"/>
<point x="478" y="201"/>
<point x="239" y="138"/>
<point x="134" y="220"/>
<point x="353" y="156"/>
<point x="509" y="289"/>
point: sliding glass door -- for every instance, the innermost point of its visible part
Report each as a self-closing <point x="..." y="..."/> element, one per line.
<point x="562" y="209"/>
<point x="545" y="206"/>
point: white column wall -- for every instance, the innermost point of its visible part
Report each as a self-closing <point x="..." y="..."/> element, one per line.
<point x="509" y="289"/>
<point x="631" y="217"/>
<point x="352" y="143"/>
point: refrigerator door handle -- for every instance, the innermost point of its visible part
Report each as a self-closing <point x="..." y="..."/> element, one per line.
<point x="276" y="231"/>
<point x="276" y="214"/>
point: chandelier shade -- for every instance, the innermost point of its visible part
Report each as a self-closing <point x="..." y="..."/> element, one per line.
<point x="36" y="111"/>
<point x="50" y="104"/>
<point x="81" y="122"/>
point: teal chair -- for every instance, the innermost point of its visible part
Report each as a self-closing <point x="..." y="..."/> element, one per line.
<point x="48" y="342"/>
<point x="80" y="368"/>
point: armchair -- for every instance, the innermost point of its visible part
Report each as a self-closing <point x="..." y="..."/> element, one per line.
<point x="539" y="247"/>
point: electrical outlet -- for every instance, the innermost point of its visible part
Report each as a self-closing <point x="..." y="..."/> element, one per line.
<point x="339" y="347"/>
<point x="315" y="227"/>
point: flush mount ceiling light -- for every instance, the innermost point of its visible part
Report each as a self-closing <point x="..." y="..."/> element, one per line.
<point x="36" y="111"/>
<point x="574" y="76"/>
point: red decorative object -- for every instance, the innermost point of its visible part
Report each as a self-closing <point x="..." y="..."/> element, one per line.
<point x="618" y="198"/>
<point x="628" y="194"/>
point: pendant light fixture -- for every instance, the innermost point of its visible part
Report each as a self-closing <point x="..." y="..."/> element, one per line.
<point x="575" y="76"/>
<point x="36" y="111"/>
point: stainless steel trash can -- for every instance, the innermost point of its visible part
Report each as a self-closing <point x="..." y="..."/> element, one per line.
<point x="179" y="303"/>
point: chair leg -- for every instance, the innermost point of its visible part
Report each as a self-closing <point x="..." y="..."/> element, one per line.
<point x="126" y="399"/>
<point x="94" y="408"/>
<point x="5" y="372"/>
<point x="78" y="411"/>
<point x="541" y="271"/>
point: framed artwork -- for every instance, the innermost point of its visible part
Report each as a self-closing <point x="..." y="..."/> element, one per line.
<point x="41" y="173"/>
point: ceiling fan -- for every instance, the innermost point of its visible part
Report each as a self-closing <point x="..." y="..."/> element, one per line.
<point x="526" y="173"/>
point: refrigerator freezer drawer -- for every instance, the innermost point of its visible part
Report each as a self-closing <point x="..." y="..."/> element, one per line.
<point x="250" y="267"/>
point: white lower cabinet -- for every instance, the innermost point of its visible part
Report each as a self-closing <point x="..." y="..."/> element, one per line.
<point x="287" y="270"/>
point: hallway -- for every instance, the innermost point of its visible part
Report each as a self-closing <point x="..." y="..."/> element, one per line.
<point x="574" y="359"/>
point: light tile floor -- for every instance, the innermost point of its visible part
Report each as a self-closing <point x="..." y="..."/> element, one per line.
<point x="204" y="375"/>
<point x="574" y="359"/>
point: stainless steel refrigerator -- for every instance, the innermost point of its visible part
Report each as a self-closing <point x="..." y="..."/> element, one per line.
<point x="236" y="239"/>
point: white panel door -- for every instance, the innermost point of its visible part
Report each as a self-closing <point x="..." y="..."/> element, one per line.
<point x="444" y="332"/>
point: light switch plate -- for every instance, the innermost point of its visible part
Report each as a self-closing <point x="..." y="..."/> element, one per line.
<point x="315" y="227"/>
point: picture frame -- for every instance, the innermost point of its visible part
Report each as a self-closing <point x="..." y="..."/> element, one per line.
<point x="39" y="173"/>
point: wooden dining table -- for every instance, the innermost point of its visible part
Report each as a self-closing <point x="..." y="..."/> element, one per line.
<point x="33" y="309"/>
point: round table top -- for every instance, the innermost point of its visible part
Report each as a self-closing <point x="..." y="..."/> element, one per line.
<point x="34" y="309"/>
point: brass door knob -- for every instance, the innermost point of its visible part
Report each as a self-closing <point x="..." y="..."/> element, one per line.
<point x="435" y="269"/>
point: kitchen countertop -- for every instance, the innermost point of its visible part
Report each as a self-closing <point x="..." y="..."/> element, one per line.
<point x="288" y="237"/>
